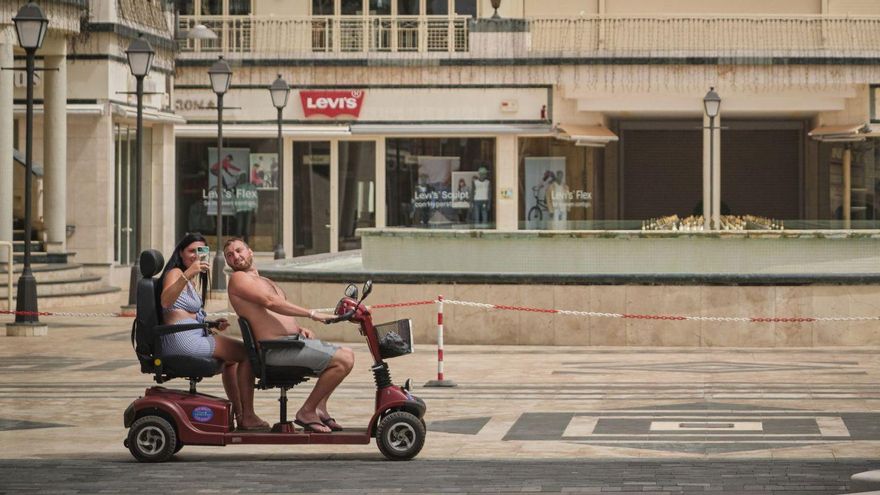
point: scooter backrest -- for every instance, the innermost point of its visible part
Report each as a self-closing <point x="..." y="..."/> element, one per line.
<point x="148" y="311"/>
<point x="250" y="344"/>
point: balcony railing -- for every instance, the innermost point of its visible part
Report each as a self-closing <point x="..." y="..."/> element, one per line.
<point x="584" y="36"/>
<point x="711" y="36"/>
<point x="279" y="36"/>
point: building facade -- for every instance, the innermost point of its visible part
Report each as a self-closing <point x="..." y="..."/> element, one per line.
<point x="581" y="115"/>
<point x="84" y="132"/>
<point x="560" y="138"/>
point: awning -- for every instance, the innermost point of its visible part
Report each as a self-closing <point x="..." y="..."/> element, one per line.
<point x="841" y="133"/>
<point x="36" y="168"/>
<point x="450" y="129"/>
<point x="872" y="131"/>
<point x="244" y="130"/>
<point x="96" y="109"/>
<point x="586" y="135"/>
<point x="150" y="114"/>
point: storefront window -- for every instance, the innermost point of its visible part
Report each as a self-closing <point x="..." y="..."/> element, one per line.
<point x="311" y="198"/>
<point x="440" y="182"/>
<point x="357" y="191"/>
<point x="248" y="172"/>
<point x="559" y="185"/>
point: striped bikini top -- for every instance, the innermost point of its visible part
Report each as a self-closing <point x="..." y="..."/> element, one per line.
<point x="189" y="301"/>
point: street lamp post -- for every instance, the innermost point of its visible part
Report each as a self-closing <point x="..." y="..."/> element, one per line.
<point x="711" y="104"/>
<point x="31" y="27"/>
<point x="220" y="75"/>
<point x="279" y="90"/>
<point x="140" y="59"/>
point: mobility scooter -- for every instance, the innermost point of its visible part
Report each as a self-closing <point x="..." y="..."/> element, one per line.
<point x="164" y="420"/>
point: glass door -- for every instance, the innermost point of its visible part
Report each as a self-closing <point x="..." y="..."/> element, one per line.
<point x="357" y="191"/>
<point x="124" y="209"/>
<point x="311" y="197"/>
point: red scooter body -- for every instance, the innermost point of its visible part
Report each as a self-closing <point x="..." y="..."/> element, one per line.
<point x="201" y="419"/>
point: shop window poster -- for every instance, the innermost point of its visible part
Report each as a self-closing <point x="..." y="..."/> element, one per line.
<point x="540" y="180"/>
<point x="549" y="198"/>
<point x="433" y="193"/>
<point x="462" y="185"/>
<point x="264" y="170"/>
<point x="234" y="172"/>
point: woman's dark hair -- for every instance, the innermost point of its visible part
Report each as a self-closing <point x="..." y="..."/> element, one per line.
<point x="175" y="261"/>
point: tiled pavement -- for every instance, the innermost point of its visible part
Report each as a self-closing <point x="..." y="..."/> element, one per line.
<point x="657" y="420"/>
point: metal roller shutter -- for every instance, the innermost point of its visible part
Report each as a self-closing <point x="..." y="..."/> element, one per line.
<point x="760" y="172"/>
<point x="662" y="173"/>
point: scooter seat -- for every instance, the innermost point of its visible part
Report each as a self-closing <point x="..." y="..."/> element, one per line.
<point x="280" y="376"/>
<point x="190" y="367"/>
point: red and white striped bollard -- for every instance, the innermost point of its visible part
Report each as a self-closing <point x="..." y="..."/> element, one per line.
<point x="440" y="381"/>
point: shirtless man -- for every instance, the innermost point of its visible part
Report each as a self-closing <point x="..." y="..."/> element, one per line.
<point x="271" y="316"/>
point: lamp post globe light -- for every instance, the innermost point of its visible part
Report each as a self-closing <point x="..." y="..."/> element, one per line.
<point x="221" y="76"/>
<point x="711" y="105"/>
<point x="140" y="59"/>
<point x="30" y="26"/>
<point x="280" y="91"/>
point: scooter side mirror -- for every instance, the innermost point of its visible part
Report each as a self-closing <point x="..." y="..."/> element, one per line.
<point x="351" y="291"/>
<point x="368" y="287"/>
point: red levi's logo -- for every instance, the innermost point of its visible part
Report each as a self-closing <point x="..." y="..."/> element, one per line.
<point x="332" y="103"/>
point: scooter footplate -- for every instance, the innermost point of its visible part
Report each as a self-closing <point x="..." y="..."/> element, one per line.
<point x="348" y="437"/>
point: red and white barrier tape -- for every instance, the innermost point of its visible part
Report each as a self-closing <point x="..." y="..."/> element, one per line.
<point x="502" y="307"/>
<point x="89" y="315"/>
<point x="594" y="314"/>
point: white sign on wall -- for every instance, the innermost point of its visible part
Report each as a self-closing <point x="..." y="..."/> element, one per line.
<point x="19" y="79"/>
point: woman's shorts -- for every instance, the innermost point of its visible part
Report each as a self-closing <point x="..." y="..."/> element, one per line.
<point x="194" y="342"/>
<point x="315" y="355"/>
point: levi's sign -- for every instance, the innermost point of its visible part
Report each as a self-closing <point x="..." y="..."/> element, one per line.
<point x="332" y="103"/>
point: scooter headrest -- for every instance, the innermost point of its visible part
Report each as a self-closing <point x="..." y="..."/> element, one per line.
<point x="151" y="263"/>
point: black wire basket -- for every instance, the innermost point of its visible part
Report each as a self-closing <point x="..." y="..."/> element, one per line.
<point x="395" y="338"/>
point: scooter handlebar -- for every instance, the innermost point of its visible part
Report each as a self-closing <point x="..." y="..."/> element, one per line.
<point x="344" y="317"/>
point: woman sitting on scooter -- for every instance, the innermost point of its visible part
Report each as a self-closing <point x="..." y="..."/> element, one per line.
<point x="181" y="304"/>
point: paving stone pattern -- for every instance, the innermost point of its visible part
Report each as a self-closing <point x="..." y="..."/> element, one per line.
<point x="191" y="475"/>
<point x="523" y="419"/>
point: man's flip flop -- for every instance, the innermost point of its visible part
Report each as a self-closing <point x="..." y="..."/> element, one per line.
<point x="308" y="427"/>
<point x="333" y="427"/>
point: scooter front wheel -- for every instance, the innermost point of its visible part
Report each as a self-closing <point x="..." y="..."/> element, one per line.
<point x="400" y="436"/>
<point x="152" y="439"/>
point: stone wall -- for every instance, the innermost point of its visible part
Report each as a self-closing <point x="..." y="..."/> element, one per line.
<point x="468" y="325"/>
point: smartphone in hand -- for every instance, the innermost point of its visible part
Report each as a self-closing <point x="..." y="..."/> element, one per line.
<point x="203" y="252"/>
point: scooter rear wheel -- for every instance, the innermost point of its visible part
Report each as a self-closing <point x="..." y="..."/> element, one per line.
<point x="152" y="439"/>
<point x="400" y="436"/>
